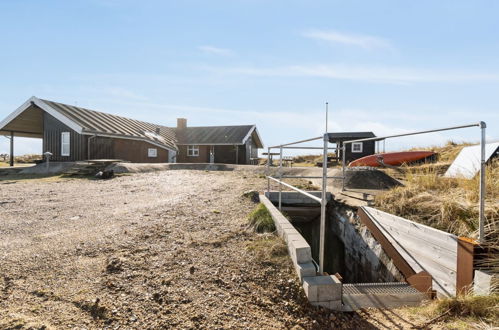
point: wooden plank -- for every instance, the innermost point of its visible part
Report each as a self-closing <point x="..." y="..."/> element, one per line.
<point x="400" y="262"/>
<point x="424" y="248"/>
<point x="429" y="232"/>
<point x="414" y="244"/>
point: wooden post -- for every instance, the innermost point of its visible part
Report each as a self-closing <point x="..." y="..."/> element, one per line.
<point x="237" y="154"/>
<point x="11" y="160"/>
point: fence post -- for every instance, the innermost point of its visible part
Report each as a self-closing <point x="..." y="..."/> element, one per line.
<point x="481" y="216"/>
<point x="323" y="206"/>
<point x="268" y="172"/>
<point x="280" y="178"/>
<point x="344" y="164"/>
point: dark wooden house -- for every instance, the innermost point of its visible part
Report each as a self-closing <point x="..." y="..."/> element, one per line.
<point x="354" y="150"/>
<point x="217" y="144"/>
<point x="73" y="133"/>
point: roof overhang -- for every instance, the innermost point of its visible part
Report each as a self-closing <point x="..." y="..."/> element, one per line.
<point x="30" y="128"/>
<point x="254" y="132"/>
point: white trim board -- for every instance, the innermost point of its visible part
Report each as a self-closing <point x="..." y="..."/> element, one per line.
<point x="44" y="106"/>
<point x="253" y="129"/>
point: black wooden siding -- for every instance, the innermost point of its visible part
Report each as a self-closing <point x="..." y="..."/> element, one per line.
<point x="101" y="148"/>
<point x="368" y="148"/>
<point x="52" y="129"/>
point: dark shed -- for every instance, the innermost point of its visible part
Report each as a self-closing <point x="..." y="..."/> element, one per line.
<point x="354" y="150"/>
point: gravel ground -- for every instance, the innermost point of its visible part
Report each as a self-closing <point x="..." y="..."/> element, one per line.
<point x="155" y="250"/>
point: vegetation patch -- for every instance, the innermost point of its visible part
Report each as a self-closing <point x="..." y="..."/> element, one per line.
<point x="461" y="312"/>
<point x="269" y="249"/>
<point x="261" y="220"/>
<point x="481" y="307"/>
<point x="449" y="204"/>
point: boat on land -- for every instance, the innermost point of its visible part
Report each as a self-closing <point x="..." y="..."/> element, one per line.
<point x="392" y="158"/>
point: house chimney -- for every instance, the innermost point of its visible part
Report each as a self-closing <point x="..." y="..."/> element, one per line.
<point x="158" y="130"/>
<point x="181" y="123"/>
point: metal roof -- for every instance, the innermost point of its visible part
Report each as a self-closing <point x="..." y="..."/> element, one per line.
<point x="90" y="122"/>
<point x="349" y="136"/>
<point x="217" y="135"/>
<point x="97" y="122"/>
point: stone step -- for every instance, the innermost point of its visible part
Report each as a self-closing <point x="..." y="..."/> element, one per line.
<point x="379" y="295"/>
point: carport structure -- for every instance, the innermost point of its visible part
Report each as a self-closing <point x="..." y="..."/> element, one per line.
<point x="28" y="123"/>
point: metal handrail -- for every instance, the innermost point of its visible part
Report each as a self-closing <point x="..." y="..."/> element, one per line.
<point x="309" y="177"/>
<point x="482" y="185"/>
<point x="414" y="133"/>
<point x="294" y="188"/>
<point x="297" y="142"/>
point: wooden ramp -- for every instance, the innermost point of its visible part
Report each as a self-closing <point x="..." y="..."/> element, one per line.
<point x="416" y="248"/>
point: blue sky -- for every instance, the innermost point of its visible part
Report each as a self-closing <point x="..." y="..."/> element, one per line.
<point x="385" y="66"/>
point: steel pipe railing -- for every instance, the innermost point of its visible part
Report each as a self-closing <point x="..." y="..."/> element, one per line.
<point x="315" y="198"/>
<point x="309" y="177"/>
<point x="482" y="184"/>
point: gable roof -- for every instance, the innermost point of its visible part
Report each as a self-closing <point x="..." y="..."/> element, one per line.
<point x="343" y="135"/>
<point x="100" y="123"/>
<point x="91" y="122"/>
<point x="218" y="135"/>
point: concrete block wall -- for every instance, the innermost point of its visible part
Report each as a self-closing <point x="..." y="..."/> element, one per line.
<point x="325" y="291"/>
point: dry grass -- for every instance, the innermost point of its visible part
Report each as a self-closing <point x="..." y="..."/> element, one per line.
<point x="462" y="312"/>
<point x="446" y="153"/>
<point x="269" y="248"/>
<point x="449" y="204"/>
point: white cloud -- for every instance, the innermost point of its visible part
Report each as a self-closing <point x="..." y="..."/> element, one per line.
<point x="215" y="50"/>
<point x="364" y="41"/>
<point x="379" y="74"/>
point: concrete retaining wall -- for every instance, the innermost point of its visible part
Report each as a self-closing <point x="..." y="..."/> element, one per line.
<point x="325" y="291"/>
<point x="365" y="259"/>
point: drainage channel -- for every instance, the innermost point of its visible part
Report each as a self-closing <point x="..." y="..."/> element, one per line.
<point x="359" y="273"/>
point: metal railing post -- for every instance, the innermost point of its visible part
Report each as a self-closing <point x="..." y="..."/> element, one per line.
<point x="280" y="178"/>
<point x="344" y="164"/>
<point x="268" y="172"/>
<point x="323" y="206"/>
<point x="481" y="212"/>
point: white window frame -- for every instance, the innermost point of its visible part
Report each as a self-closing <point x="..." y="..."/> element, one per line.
<point x="360" y="145"/>
<point x="152" y="152"/>
<point x="192" y="151"/>
<point x="65" y="142"/>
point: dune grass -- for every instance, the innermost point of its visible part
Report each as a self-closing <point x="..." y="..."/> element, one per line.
<point x="449" y="204"/>
<point x="261" y="220"/>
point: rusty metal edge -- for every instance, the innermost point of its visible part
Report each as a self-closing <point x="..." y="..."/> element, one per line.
<point x="465" y="262"/>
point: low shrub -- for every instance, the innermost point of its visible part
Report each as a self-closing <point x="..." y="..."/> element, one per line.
<point x="261" y="220"/>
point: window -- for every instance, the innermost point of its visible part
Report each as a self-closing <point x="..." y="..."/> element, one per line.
<point x="65" y="143"/>
<point x="193" y="151"/>
<point x="152" y="152"/>
<point x="357" y="147"/>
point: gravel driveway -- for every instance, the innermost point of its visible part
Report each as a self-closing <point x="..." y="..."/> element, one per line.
<point x="167" y="249"/>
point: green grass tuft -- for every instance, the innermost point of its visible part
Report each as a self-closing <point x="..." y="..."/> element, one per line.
<point x="261" y="220"/>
